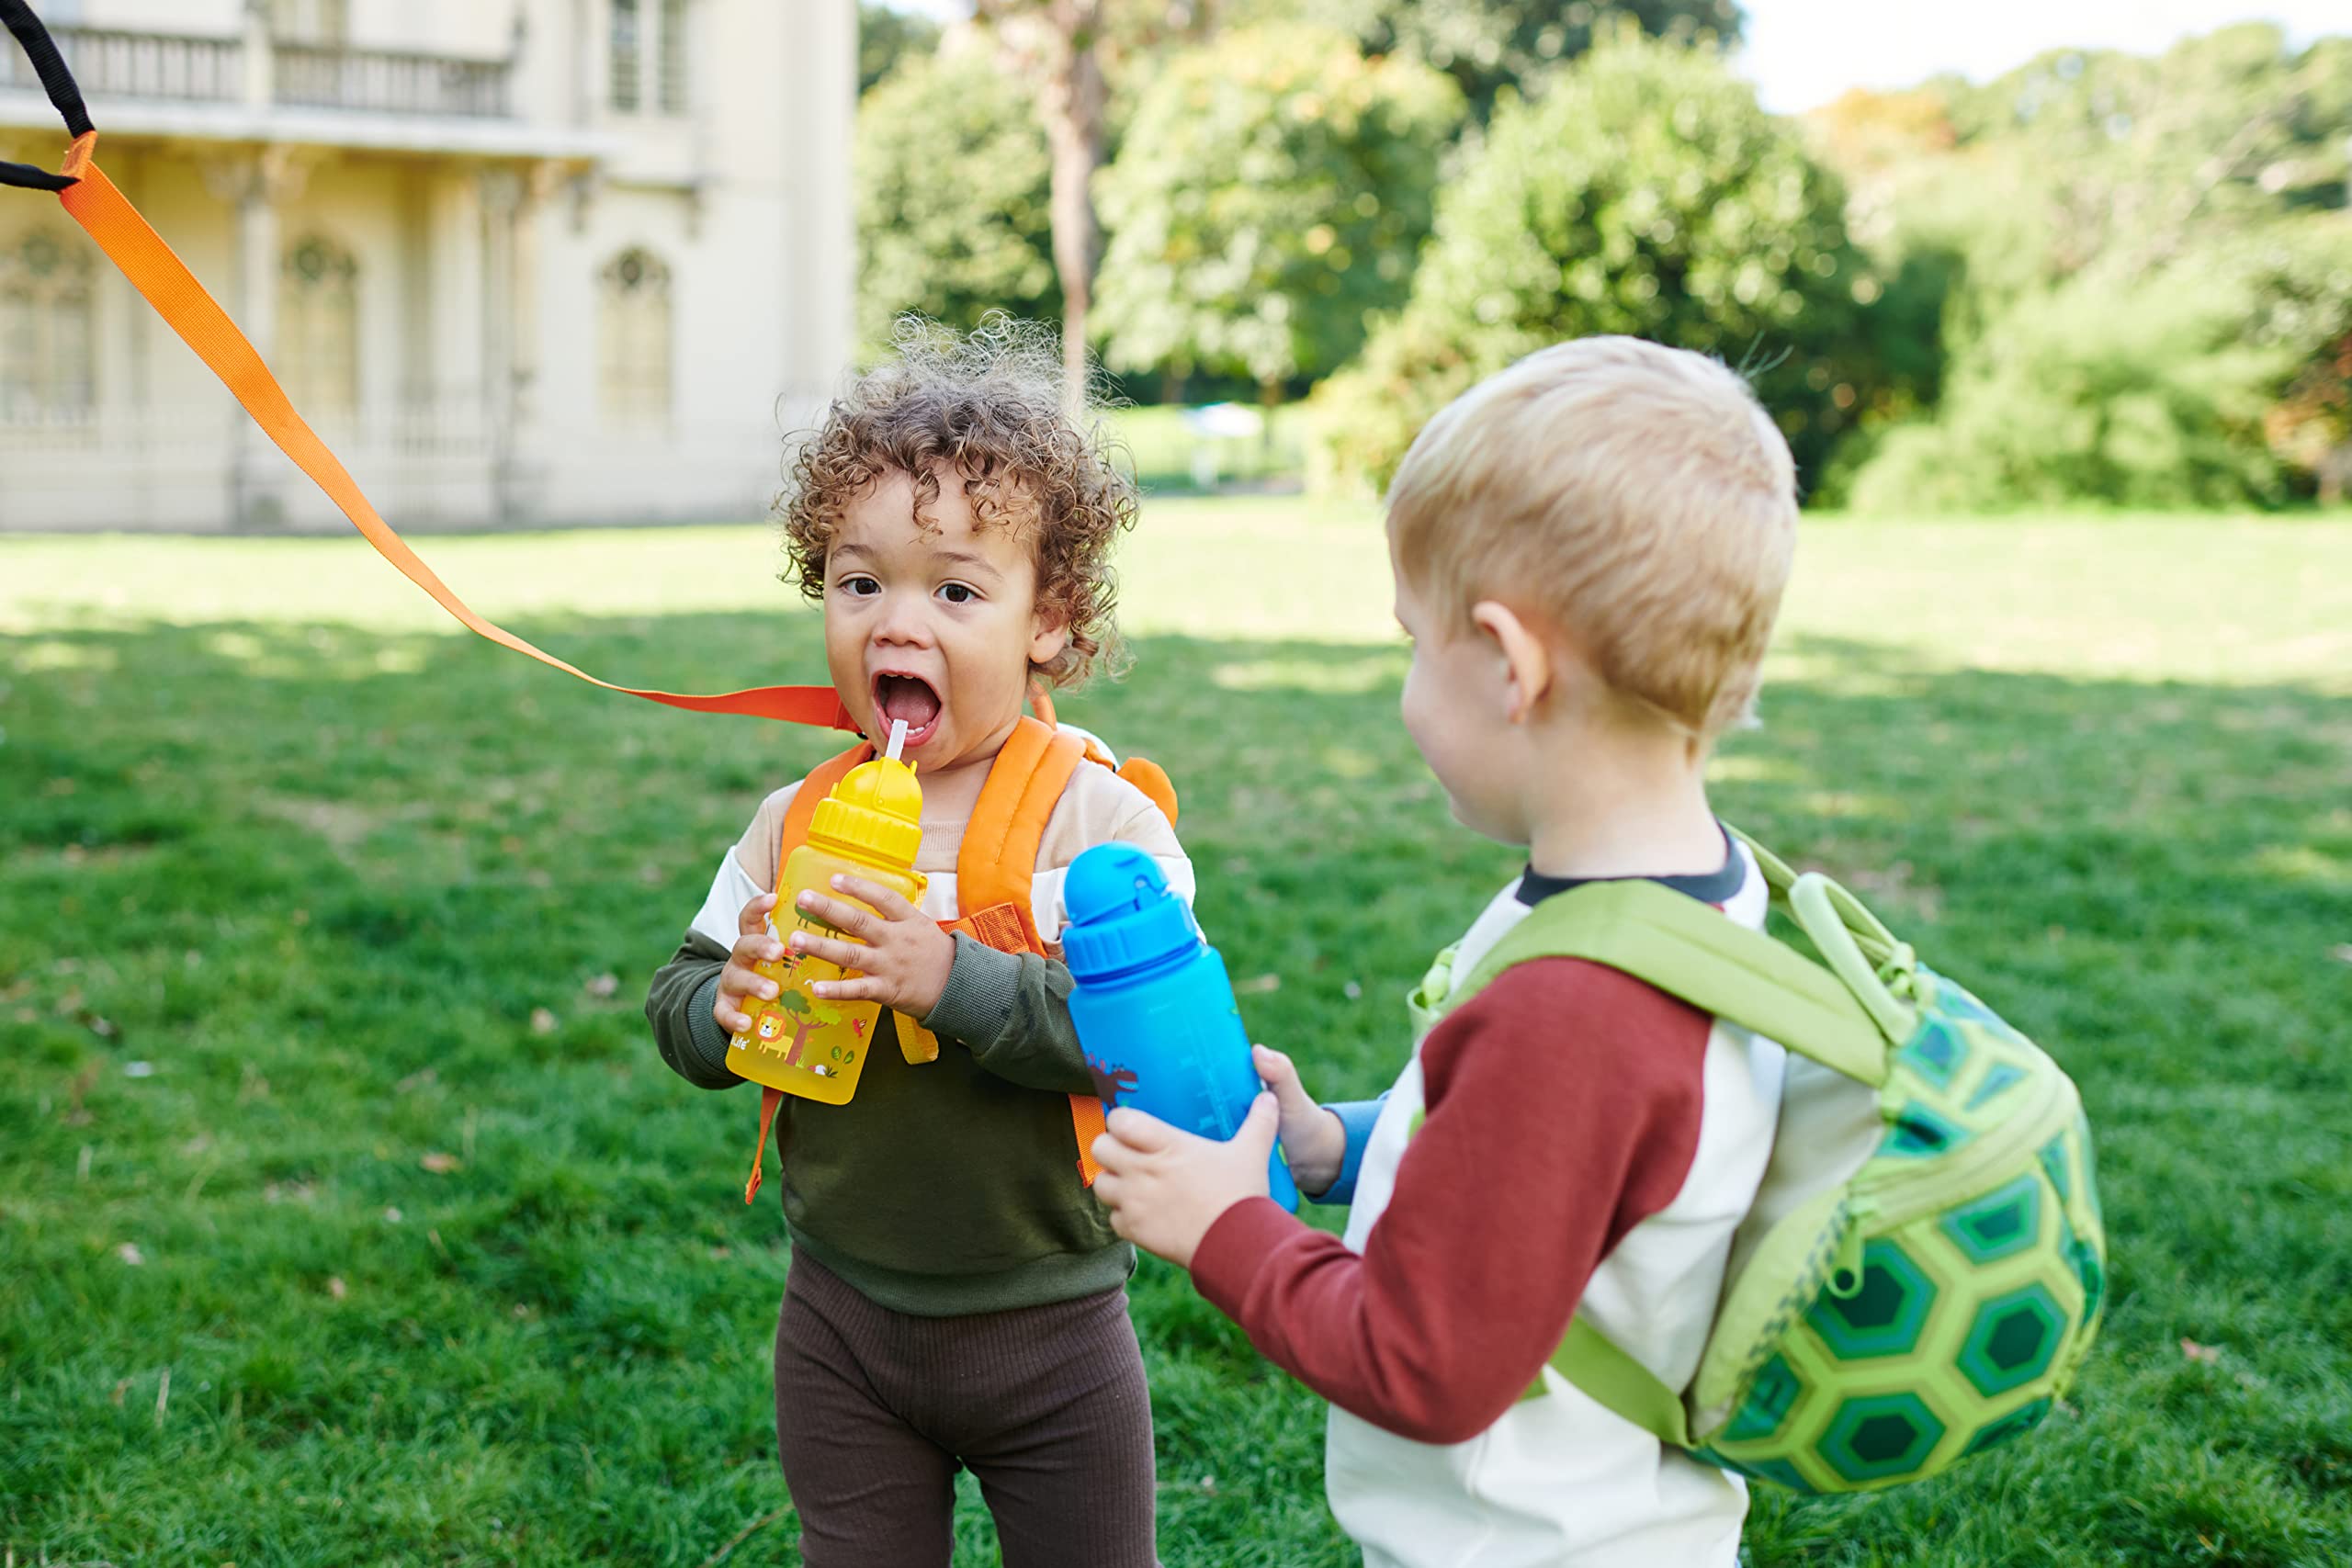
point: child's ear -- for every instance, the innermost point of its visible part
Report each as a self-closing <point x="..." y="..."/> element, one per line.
<point x="1528" y="669"/>
<point x="1048" y="635"/>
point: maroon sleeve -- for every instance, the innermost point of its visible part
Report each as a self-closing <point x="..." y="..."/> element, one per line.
<point x="1563" y="1107"/>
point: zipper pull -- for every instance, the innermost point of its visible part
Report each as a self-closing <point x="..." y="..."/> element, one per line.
<point x="1845" y="1269"/>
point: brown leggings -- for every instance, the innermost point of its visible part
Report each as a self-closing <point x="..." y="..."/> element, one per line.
<point x="876" y="1411"/>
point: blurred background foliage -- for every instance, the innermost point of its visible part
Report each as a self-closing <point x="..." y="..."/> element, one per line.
<point x="2101" y="278"/>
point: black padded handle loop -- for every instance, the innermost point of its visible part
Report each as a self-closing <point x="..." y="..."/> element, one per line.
<point x="24" y="177"/>
<point x="55" y="80"/>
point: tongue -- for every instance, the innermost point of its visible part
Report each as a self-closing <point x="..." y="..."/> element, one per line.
<point x="909" y="700"/>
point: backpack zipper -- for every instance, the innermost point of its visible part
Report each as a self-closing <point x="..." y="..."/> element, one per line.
<point x="1943" y="1183"/>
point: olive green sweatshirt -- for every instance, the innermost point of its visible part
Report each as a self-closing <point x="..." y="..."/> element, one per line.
<point x="951" y="1186"/>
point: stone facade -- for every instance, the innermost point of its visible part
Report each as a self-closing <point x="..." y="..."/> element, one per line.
<point x="518" y="261"/>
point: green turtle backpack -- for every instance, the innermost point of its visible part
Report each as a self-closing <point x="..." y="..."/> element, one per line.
<point x="1921" y="1273"/>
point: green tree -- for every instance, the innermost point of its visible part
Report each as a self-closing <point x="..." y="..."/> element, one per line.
<point x="2143" y="394"/>
<point x="1487" y="45"/>
<point x="952" y="219"/>
<point x="2167" y="231"/>
<point x="1273" y="188"/>
<point x="2134" y="160"/>
<point x="808" y="1013"/>
<point x="887" y="35"/>
<point x="1645" y="193"/>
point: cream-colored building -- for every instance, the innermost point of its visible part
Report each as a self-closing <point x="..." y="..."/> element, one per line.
<point x="516" y="260"/>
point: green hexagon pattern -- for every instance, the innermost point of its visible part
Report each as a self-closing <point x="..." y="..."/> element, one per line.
<point x="1770" y="1399"/>
<point x="2012" y="1340"/>
<point x="1936" y="1051"/>
<point x="1919" y="1132"/>
<point x="1880" y="1437"/>
<point x="2002" y="1224"/>
<point x="1883" y="1318"/>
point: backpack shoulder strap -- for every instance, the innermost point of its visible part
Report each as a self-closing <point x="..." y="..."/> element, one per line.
<point x="998" y="863"/>
<point x="1687" y="949"/>
<point x="998" y="860"/>
<point x="1617" y="1382"/>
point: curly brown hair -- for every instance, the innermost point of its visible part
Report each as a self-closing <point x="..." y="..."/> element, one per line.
<point x="987" y="405"/>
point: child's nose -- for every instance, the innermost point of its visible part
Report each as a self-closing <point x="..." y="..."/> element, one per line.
<point x="905" y="619"/>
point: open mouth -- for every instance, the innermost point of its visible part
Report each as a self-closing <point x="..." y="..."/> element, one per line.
<point x="908" y="698"/>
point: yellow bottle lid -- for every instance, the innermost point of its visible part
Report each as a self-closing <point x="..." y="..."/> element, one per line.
<point x="875" y="811"/>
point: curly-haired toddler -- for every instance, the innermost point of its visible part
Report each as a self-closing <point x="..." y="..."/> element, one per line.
<point x="956" y="1298"/>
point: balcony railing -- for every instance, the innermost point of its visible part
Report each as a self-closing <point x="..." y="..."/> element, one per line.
<point x="113" y="64"/>
<point x="328" y="78"/>
<point x="118" y="64"/>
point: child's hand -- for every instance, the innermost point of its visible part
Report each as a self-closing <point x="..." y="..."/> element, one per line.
<point x="1165" y="1188"/>
<point x="738" y="980"/>
<point x="901" y="954"/>
<point x="1313" y="1141"/>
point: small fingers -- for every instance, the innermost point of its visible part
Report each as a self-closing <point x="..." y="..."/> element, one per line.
<point x="885" y="902"/>
<point x="1140" y="1130"/>
<point x="862" y="988"/>
<point x="743" y="980"/>
<point x="1110" y="1154"/>
<point x="851" y="919"/>
<point x="841" y="954"/>
<point x="752" y="951"/>
<point x="753" y="920"/>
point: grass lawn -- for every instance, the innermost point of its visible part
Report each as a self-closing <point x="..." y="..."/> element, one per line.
<point x="347" y="1216"/>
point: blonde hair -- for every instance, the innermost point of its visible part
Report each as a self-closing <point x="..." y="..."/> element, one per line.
<point x="1635" y="497"/>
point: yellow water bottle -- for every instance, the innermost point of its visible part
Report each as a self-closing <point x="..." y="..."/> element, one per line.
<point x="869" y="827"/>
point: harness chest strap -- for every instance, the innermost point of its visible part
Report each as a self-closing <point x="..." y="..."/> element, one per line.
<point x="994" y="869"/>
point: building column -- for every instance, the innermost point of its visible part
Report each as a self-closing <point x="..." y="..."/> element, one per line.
<point x="260" y="50"/>
<point x="820" y="220"/>
<point x="500" y="199"/>
<point x="257" y="187"/>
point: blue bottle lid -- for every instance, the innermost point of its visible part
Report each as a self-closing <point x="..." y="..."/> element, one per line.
<point x="1122" y="917"/>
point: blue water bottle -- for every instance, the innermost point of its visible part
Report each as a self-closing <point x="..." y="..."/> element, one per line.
<point x="1153" y="1010"/>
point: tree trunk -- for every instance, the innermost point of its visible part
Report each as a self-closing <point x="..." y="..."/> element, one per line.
<point x="1072" y="103"/>
<point x="2335" y="475"/>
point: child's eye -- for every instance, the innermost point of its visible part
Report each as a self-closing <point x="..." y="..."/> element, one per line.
<point x="860" y="586"/>
<point x="959" y="593"/>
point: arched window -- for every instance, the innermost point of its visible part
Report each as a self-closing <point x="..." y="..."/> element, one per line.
<point x="633" y="339"/>
<point x="318" y="327"/>
<point x="48" y="371"/>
